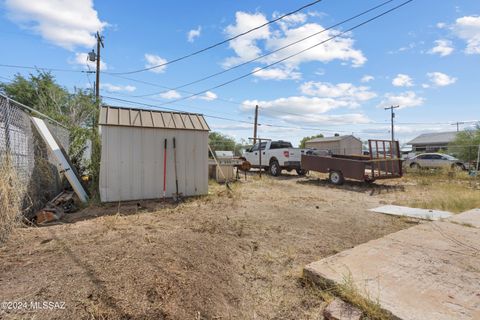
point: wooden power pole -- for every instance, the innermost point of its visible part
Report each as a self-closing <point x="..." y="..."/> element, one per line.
<point x="392" y="118"/>
<point x="255" y="125"/>
<point x="97" y="82"/>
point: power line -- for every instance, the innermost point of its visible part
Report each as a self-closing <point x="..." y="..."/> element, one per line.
<point x="43" y="68"/>
<point x="271" y="52"/>
<point x="156" y="107"/>
<point x="290" y="56"/>
<point x="221" y="42"/>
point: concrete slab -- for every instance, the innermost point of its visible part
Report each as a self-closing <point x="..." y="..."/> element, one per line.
<point x="430" y="271"/>
<point x="425" y="214"/>
<point x="340" y="310"/>
<point x="469" y="218"/>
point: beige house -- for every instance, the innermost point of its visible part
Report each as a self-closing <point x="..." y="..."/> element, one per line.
<point x="133" y="154"/>
<point x="337" y="145"/>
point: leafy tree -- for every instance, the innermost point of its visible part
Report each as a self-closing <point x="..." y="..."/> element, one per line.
<point x="75" y="110"/>
<point x="222" y="142"/>
<point x="465" y="145"/>
<point x="305" y="139"/>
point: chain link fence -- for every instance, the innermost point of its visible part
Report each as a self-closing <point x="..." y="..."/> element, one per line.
<point x="23" y="149"/>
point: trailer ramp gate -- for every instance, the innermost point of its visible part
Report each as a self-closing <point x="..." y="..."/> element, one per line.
<point x="383" y="162"/>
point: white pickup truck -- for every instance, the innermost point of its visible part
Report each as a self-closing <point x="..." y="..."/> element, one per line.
<point x="275" y="156"/>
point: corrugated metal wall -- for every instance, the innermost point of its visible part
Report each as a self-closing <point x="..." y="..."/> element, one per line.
<point x="132" y="163"/>
<point x="345" y="146"/>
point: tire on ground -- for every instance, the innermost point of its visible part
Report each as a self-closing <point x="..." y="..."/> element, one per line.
<point x="274" y="168"/>
<point x="336" y="177"/>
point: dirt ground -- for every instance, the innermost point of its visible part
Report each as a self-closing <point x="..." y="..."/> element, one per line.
<point x="228" y="255"/>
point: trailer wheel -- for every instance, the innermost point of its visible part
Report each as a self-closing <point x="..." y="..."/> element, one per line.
<point x="336" y="177"/>
<point x="274" y="168"/>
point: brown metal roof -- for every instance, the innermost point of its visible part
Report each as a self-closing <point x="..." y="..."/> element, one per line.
<point x="116" y="116"/>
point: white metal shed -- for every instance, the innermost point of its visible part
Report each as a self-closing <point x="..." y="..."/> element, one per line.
<point x="132" y="158"/>
<point x="347" y="144"/>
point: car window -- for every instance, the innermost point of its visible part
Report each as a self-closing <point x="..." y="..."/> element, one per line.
<point x="423" y="156"/>
<point x="255" y="147"/>
<point x="263" y="145"/>
<point x="436" y="157"/>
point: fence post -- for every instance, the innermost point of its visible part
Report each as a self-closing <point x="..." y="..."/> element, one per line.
<point x="7" y="127"/>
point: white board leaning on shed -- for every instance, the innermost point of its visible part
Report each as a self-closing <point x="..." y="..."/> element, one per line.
<point x="62" y="163"/>
<point x="132" y="159"/>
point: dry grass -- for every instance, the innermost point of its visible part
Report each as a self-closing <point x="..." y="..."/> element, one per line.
<point x="11" y="193"/>
<point x="349" y="292"/>
<point x="443" y="190"/>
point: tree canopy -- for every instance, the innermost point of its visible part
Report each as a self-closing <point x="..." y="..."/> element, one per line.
<point x="305" y="139"/>
<point x="220" y="141"/>
<point x="76" y="110"/>
<point x="465" y="146"/>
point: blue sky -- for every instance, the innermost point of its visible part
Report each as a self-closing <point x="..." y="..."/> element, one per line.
<point x="424" y="57"/>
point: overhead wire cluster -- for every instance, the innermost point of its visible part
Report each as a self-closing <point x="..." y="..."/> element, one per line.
<point x="191" y="94"/>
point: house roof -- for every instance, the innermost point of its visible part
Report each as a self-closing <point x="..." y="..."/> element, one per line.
<point x="434" y="138"/>
<point x="335" y="138"/>
<point x="144" y="118"/>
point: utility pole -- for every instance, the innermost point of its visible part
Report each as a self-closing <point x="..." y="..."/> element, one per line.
<point x="97" y="82"/>
<point x="96" y="148"/>
<point x="458" y="123"/>
<point x="393" y="116"/>
<point x="255" y="125"/>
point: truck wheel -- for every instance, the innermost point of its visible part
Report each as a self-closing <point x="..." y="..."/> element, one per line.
<point x="301" y="172"/>
<point x="275" y="168"/>
<point x="336" y="177"/>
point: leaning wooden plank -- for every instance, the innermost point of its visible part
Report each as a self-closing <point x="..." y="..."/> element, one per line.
<point x="62" y="162"/>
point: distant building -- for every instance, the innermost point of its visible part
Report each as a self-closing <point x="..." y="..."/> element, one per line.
<point x="432" y="142"/>
<point x="347" y="144"/>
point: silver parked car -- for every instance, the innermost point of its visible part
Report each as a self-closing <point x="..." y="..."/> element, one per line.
<point x="434" y="160"/>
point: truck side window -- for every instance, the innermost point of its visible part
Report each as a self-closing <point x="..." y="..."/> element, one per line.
<point x="263" y="145"/>
<point x="255" y="147"/>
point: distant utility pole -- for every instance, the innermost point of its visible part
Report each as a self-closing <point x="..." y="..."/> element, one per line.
<point x="393" y="117"/>
<point x="255" y="125"/>
<point x="458" y="123"/>
<point x="97" y="82"/>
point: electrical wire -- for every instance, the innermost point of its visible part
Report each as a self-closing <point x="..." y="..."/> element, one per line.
<point x="221" y="42"/>
<point x="156" y="107"/>
<point x="290" y="56"/>
<point x="44" y="68"/>
<point x="271" y="52"/>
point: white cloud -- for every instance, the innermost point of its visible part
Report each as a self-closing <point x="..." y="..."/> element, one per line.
<point x="340" y="48"/>
<point x="468" y="28"/>
<point x="67" y="24"/>
<point x="154" y="60"/>
<point x="117" y="88"/>
<point x="402" y="80"/>
<point x="194" y="33"/>
<point x="346" y="92"/>
<point x="209" y="96"/>
<point x="171" y="94"/>
<point x="367" y="78"/>
<point x="276" y="74"/>
<point x="407" y="99"/>
<point x="246" y="46"/>
<point x="290" y="20"/>
<point x="326" y="119"/>
<point x="82" y="60"/>
<point x="442" y="47"/>
<point x="439" y="79"/>
<point x="293" y="29"/>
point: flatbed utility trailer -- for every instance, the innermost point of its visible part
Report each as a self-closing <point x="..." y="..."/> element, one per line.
<point x="383" y="162"/>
